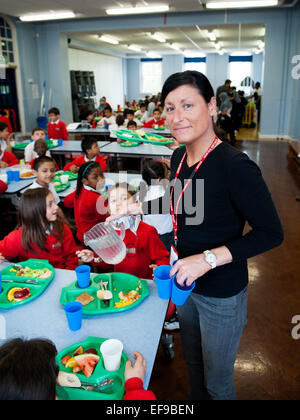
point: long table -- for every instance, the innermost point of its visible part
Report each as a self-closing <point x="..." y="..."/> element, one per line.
<point x="103" y="132"/>
<point x="142" y="150"/>
<point x="139" y="328"/>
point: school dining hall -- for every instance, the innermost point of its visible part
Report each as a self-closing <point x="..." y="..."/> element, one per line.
<point x="150" y="202"/>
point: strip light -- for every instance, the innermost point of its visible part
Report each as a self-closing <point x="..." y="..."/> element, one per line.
<point x="240" y="4"/>
<point x="135" y="48"/>
<point x="137" y="10"/>
<point x="108" y="39"/>
<point x="157" y="36"/>
<point x="47" y="16"/>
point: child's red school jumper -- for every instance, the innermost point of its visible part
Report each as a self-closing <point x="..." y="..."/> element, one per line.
<point x="82" y="159"/>
<point x="85" y="210"/>
<point x="59" y="254"/>
<point x="152" y="122"/>
<point x="9" y="158"/>
<point x="134" y="390"/>
<point x="143" y="249"/>
<point x="3" y="187"/>
<point x="57" y="130"/>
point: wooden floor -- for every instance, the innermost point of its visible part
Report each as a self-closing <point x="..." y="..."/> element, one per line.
<point x="268" y="362"/>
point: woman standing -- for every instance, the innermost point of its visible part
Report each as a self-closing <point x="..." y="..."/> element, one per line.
<point x="208" y="228"/>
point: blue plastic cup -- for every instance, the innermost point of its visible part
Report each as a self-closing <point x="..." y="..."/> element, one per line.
<point x="180" y="293"/>
<point x="83" y="273"/>
<point x="73" y="311"/>
<point x="106" y="126"/>
<point x="16" y="175"/>
<point x="10" y="176"/>
<point x="60" y="142"/>
<point x="163" y="281"/>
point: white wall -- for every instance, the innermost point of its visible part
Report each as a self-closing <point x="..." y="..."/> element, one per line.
<point x="108" y="73"/>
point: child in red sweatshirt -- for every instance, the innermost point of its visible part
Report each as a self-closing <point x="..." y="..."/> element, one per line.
<point x="91" y="150"/>
<point x="41" y="234"/>
<point x="90" y="207"/>
<point x="156" y="120"/>
<point x="145" y="250"/>
<point x="57" y="129"/>
<point x="7" y="159"/>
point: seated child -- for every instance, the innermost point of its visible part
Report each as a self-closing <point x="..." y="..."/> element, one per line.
<point x="57" y="129"/>
<point x="157" y="119"/>
<point x="88" y="115"/>
<point x="129" y="116"/>
<point x="5" y="137"/>
<point x="141" y="114"/>
<point x="132" y="125"/>
<point x="39" y="355"/>
<point x="7" y="158"/>
<point x="41" y="232"/>
<point x="29" y="152"/>
<point x="119" y="125"/>
<point x="90" y="207"/>
<point x="5" y="119"/>
<point x="41" y="149"/>
<point x="108" y="117"/>
<point x="91" y="150"/>
<point x="156" y="176"/>
<point x="144" y="248"/>
<point x="44" y="169"/>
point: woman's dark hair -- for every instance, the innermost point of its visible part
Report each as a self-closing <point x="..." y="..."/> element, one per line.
<point x="189" y="77"/>
<point x="153" y="169"/>
<point x="87" y="143"/>
<point x="33" y="221"/>
<point x="84" y="172"/>
<point x="28" y="370"/>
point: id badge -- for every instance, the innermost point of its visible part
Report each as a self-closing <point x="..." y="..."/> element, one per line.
<point x="173" y="256"/>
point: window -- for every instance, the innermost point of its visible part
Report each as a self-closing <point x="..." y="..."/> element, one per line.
<point x="6" y="44"/>
<point x="240" y="72"/>
<point x="151" y="75"/>
<point x="195" y="63"/>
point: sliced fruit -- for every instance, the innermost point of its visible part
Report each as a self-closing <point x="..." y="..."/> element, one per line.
<point x="10" y="294"/>
<point x="78" y="351"/>
<point x="65" y="359"/>
<point x="91" y="351"/>
<point x="87" y="363"/>
<point x="71" y="363"/>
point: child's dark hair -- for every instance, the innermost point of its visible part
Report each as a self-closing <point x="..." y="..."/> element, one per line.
<point x="3" y="126"/>
<point x="37" y="129"/>
<point x="83" y="173"/>
<point x="156" y="110"/>
<point x="153" y="169"/>
<point x="131" y="124"/>
<point x="28" y="370"/>
<point x="120" y="120"/>
<point x="32" y="219"/>
<point x="128" y="111"/>
<point x="39" y="161"/>
<point x="129" y="188"/>
<point x="87" y="143"/>
<point x="107" y="108"/>
<point x="54" y="111"/>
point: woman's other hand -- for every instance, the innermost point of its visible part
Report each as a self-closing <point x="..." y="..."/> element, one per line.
<point x="189" y="269"/>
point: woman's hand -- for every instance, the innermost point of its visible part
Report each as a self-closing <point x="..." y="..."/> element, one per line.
<point x="138" y="370"/>
<point x="190" y="269"/>
<point x="86" y="255"/>
<point x="132" y="210"/>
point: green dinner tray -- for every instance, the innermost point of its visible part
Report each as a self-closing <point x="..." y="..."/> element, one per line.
<point x="21" y="146"/>
<point x="123" y="134"/>
<point x="69" y="173"/>
<point x="61" y="187"/>
<point x="112" y="392"/>
<point x="129" y="143"/>
<point x="147" y="139"/>
<point x="35" y="289"/>
<point x="117" y="282"/>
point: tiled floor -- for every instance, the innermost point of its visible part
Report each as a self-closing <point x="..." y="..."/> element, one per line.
<point x="268" y="362"/>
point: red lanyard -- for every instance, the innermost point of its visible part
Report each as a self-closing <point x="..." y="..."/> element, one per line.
<point x="175" y="217"/>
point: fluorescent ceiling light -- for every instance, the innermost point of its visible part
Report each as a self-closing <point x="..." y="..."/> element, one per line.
<point x="175" y="47"/>
<point x="240" y="4"/>
<point x="134" y="48"/>
<point x="217" y="45"/>
<point x="211" y="36"/>
<point x="108" y="39"/>
<point x="157" y="36"/>
<point x="137" y="10"/>
<point x="152" y="54"/>
<point x="47" y="16"/>
<point x="261" y="45"/>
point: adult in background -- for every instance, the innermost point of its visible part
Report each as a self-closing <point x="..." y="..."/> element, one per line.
<point x="224" y="88"/>
<point x="212" y="250"/>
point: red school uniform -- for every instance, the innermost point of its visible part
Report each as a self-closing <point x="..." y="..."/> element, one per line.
<point x="3" y="187"/>
<point x="57" y="130"/>
<point x="134" y="390"/>
<point x="60" y="254"/>
<point x="152" y="122"/>
<point x="143" y="249"/>
<point x="9" y="158"/>
<point x="82" y="159"/>
<point x="86" y="208"/>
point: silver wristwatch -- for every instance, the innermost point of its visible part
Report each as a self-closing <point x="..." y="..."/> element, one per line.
<point x="210" y="258"/>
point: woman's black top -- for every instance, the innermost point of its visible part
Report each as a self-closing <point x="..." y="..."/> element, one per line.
<point x="234" y="192"/>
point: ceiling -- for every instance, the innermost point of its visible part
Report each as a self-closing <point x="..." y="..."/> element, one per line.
<point x="96" y="8"/>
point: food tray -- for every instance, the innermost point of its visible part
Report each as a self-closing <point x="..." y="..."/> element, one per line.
<point x="128" y="143"/>
<point x="156" y="139"/>
<point x="127" y="135"/>
<point x="21" y="146"/>
<point x="20" y="281"/>
<point x="69" y="173"/>
<point x="113" y="392"/>
<point x="61" y="187"/>
<point x="117" y="282"/>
